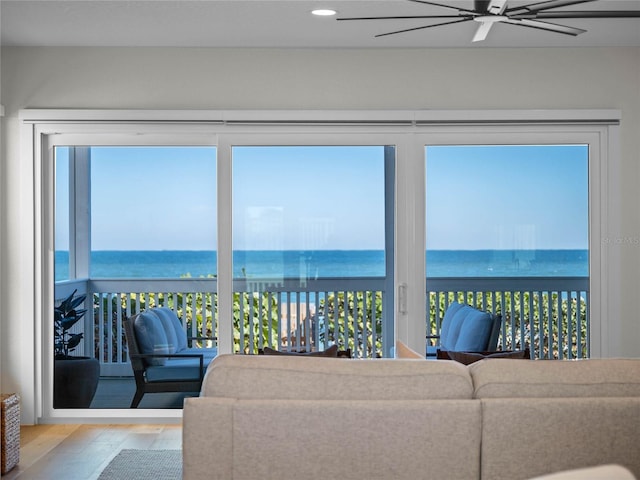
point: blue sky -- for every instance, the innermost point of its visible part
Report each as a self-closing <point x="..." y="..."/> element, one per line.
<point x="315" y="198"/>
<point x="163" y="198"/>
<point x="507" y="197"/>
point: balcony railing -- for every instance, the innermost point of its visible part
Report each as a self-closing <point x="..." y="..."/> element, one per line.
<point x="548" y="315"/>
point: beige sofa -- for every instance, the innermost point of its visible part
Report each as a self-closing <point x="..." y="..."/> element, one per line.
<point x="280" y="417"/>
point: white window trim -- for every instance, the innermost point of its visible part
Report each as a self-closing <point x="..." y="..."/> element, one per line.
<point x="410" y="129"/>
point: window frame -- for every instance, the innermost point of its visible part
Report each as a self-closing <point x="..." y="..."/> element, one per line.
<point x="602" y="168"/>
<point x="408" y="130"/>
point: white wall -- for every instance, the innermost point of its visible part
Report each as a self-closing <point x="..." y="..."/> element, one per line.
<point x="193" y="78"/>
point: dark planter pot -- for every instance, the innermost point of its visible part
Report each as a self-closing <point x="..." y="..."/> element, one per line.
<point x="75" y="381"/>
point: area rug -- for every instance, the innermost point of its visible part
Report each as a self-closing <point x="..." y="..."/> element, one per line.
<point x="144" y="465"/>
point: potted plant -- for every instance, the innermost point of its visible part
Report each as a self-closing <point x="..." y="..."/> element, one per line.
<point x="75" y="377"/>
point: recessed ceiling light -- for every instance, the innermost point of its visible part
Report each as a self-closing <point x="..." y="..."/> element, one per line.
<point x="323" y="12"/>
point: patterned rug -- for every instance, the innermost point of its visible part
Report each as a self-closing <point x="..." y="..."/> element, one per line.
<point x="144" y="465"/>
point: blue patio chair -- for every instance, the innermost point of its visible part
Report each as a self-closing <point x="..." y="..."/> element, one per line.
<point x="161" y="359"/>
<point x="465" y="329"/>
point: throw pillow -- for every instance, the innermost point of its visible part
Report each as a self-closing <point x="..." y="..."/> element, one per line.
<point x="332" y="351"/>
<point x="468" y="358"/>
<point x="403" y="351"/>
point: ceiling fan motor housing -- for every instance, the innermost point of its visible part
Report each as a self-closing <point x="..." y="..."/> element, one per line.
<point x="481" y="6"/>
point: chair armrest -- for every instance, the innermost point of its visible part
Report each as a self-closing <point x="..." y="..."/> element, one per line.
<point x="199" y="356"/>
<point x="190" y="340"/>
<point x="460" y="356"/>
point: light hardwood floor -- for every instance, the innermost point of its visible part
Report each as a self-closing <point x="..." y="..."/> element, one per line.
<point x="80" y="452"/>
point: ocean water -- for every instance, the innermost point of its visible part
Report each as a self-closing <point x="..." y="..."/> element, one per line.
<point x="329" y="263"/>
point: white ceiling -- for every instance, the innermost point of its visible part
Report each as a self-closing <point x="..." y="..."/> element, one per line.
<point x="276" y="23"/>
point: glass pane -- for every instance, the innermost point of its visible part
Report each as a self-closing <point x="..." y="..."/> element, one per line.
<point x="153" y="212"/>
<point x="504" y="224"/>
<point x="309" y="247"/>
<point x="138" y="225"/>
<point x="61" y="267"/>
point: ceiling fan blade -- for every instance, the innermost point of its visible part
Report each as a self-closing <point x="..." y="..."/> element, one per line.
<point x="550" y="27"/>
<point x="482" y="31"/>
<point x="444" y="6"/>
<point x="401" y="17"/>
<point x="424" y="26"/>
<point x="587" y="14"/>
<point x="540" y="6"/>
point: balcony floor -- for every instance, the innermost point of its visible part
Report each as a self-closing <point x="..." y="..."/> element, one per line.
<point x="117" y="392"/>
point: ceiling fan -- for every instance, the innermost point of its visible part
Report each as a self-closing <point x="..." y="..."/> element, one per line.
<point x="489" y="12"/>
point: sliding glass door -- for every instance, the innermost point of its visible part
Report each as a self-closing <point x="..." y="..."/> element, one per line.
<point x="507" y="230"/>
<point x="301" y="237"/>
<point x="135" y="228"/>
<point x="312" y="266"/>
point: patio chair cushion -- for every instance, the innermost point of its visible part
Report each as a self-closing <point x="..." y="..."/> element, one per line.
<point x="208" y="354"/>
<point x="175" y="370"/>
<point x="467" y="329"/>
<point x="172" y="324"/>
<point x="151" y="336"/>
<point x="169" y="331"/>
<point x="446" y="334"/>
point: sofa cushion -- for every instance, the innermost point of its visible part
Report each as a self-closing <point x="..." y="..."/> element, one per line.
<point x="171" y="321"/>
<point x="286" y="377"/>
<point x="556" y="378"/>
<point x="151" y="336"/>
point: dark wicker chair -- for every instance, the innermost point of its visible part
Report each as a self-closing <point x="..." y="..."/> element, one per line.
<point x="187" y="380"/>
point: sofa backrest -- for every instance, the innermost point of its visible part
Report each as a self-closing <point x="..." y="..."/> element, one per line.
<point x="317" y="378"/>
<point x="542" y="416"/>
<point x="508" y="378"/>
<point x="227" y="438"/>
